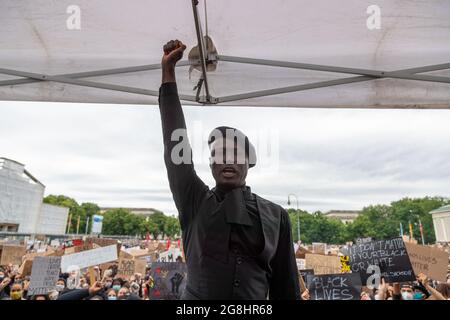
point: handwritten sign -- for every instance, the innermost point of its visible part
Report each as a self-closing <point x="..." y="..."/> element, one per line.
<point x="126" y="268"/>
<point x="89" y="258"/>
<point x="322" y="264"/>
<point x="169" y="280"/>
<point x="44" y="275"/>
<point x="389" y="255"/>
<point x="334" y="286"/>
<point x="430" y="261"/>
<point x="12" y="255"/>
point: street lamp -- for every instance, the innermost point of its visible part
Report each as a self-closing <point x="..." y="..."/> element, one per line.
<point x="420" y="225"/>
<point x="298" y="213"/>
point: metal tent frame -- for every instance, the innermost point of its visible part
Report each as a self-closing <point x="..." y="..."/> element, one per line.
<point x="205" y="59"/>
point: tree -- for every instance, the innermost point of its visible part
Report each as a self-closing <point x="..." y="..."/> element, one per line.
<point x="172" y="227"/>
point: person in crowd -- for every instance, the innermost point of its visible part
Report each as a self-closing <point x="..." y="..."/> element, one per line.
<point x="111" y="294"/>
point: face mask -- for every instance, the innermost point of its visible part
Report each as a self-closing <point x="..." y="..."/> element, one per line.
<point x="16" y="295"/>
<point x="60" y="287"/>
<point x="117" y="287"/>
<point x="377" y="297"/>
<point x="108" y="284"/>
<point x="112" y="298"/>
<point x="407" y="296"/>
<point x="417" y="296"/>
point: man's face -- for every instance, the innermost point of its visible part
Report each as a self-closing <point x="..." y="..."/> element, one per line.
<point x="229" y="164"/>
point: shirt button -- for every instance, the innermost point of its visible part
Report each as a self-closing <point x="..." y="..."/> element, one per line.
<point x="239" y="260"/>
<point x="236" y="283"/>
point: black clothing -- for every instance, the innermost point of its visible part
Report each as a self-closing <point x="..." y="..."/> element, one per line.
<point x="237" y="244"/>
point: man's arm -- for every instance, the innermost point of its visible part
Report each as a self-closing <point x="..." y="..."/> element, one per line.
<point x="284" y="283"/>
<point x="187" y="188"/>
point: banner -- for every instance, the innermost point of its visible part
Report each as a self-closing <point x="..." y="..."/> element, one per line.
<point x="44" y="275"/>
<point x="169" y="280"/>
<point x="389" y="255"/>
<point x="430" y="261"/>
<point x="97" y="224"/>
<point x="89" y="258"/>
<point x="334" y="286"/>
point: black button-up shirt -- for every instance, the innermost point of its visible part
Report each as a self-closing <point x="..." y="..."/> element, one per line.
<point x="237" y="244"/>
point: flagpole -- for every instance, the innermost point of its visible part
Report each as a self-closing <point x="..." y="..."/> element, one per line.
<point x="421" y="232"/>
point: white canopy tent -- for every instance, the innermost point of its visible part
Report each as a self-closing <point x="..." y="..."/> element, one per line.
<point x="278" y="53"/>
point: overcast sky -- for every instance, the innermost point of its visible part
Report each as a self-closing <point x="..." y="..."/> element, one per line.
<point x="331" y="159"/>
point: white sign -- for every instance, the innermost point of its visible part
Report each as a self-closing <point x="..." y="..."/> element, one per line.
<point x="97" y="223"/>
<point x="44" y="275"/>
<point x="89" y="258"/>
<point x="301" y="264"/>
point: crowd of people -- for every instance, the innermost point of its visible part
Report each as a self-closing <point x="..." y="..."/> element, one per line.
<point x="78" y="286"/>
<point x="107" y="284"/>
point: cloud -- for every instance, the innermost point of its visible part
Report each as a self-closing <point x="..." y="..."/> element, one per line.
<point x="331" y="159"/>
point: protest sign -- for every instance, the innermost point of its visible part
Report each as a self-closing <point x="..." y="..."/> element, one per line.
<point x="322" y="264"/>
<point x="363" y="240"/>
<point x="300" y="264"/>
<point x="25" y="268"/>
<point x="389" y="255"/>
<point x="169" y="280"/>
<point x="44" y="275"/>
<point x="125" y="268"/>
<point x="334" y="286"/>
<point x="12" y="255"/>
<point x="89" y="258"/>
<point x="430" y="261"/>
<point x="305" y="272"/>
<point x="128" y="267"/>
<point x="319" y="247"/>
<point x="345" y="264"/>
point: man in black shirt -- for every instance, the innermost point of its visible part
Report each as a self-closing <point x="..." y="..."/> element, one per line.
<point x="237" y="244"/>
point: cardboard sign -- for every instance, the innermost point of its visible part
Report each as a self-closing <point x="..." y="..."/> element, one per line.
<point x="128" y="267"/>
<point x="12" y="255"/>
<point x="389" y="255"/>
<point x="44" y="275"/>
<point x="25" y="268"/>
<point x="430" y="261"/>
<point x="322" y="264"/>
<point x="89" y="258"/>
<point x="334" y="286"/>
<point x="169" y="280"/>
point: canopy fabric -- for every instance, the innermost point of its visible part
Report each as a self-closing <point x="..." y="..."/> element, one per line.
<point x="35" y="39"/>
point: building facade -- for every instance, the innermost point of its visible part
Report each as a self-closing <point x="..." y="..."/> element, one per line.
<point x="346" y="216"/>
<point x="21" y="207"/>
<point x="441" y="223"/>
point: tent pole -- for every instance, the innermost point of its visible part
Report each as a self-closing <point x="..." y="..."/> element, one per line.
<point x="201" y="49"/>
<point x="85" y="83"/>
<point x="365" y="72"/>
<point x="95" y="73"/>
<point x="316" y="85"/>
